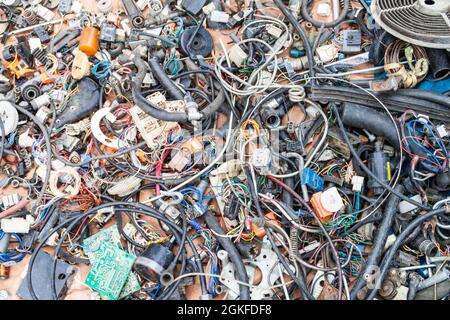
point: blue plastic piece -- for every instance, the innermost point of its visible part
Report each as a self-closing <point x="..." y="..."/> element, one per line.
<point x="85" y="157"/>
<point x="296" y="53"/>
<point x="436" y="86"/>
<point x="195" y="225"/>
<point x="312" y="179"/>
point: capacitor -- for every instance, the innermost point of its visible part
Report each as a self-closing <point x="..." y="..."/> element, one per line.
<point x="89" y="40"/>
<point x="378" y="165"/>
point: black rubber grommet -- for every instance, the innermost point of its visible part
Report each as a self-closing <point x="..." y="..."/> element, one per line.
<point x="201" y="45"/>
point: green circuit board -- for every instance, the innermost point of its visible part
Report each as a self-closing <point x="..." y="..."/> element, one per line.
<point x="110" y="270"/>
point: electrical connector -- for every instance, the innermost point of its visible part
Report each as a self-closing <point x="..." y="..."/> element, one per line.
<point x="357" y="183"/>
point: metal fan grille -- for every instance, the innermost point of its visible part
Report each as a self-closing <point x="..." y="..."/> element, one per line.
<point x="422" y="22"/>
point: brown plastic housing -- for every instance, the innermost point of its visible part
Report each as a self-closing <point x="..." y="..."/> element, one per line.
<point x="89" y="40"/>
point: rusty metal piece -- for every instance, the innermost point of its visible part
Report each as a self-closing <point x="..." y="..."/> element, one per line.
<point x="4" y="272"/>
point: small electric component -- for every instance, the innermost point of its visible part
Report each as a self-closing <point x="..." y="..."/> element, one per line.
<point x="89" y="40"/>
<point x="312" y="179"/>
<point x="378" y="164"/>
<point x="42" y="34"/>
<point x="108" y="33"/>
<point x="219" y="16"/>
<point x="327" y="203"/>
<point x="237" y="55"/>
<point x="153" y="262"/>
<point x="193" y="7"/>
<point x="324" y="9"/>
<point x="262" y="159"/>
<point x="10" y="200"/>
<point x="16" y="225"/>
<point x="357" y="183"/>
<point x="351" y="41"/>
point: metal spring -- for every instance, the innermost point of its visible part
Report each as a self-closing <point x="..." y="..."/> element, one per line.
<point x="26" y="158"/>
<point x="297" y="94"/>
<point x="30" y="17"/>
<point x="294" y="244"/>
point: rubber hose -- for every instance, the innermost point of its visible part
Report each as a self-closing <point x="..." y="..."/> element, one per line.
<point x="233" y="253"/>
<point x="426" y="95"/>
<point x="366" y="169"/>
<point x="439" y="63"/>
<point x="361" y="117"/>
<point x="164" y="80"/>
<point x="147" y="106"/>
<point x="214" y="105"/>
<point x="414" y="280"/>
<point x="379" y="240"/>
<point x="399" y="241"/>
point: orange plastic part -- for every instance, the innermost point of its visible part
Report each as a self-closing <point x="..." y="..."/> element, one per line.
<point x="89" y="40"/>
<point x="17" y="68"/>
<point x="260" y="232"/>
<point x="322" y="213"/>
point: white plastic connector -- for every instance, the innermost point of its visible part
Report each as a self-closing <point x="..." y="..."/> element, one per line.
<point x="406" y="207"/>
<point x="44" y="13"/>
<point x="219" y="16"/>
<point x="237" y="55"/>
<point x="142" y="4"/>
<point x="125" y="186"/>
<point x="43" y="114"/>
<point x="261" y="158"/>
<point x="57" y="96"/>
<point x="10" y="200"/>
<point x="41" y="101"/>
<point x="25" y="141"/>
<point x="357" y="183"/>
<point x="15" y="225"/>
<point x="327" y="52"/>
<point x="442" y="131"/>
<point x="76" y="7"/>
<point x="324" y="9"/>
<point x="209" y="8"/>
<point x="34" y="43"/>
<point x="274" y="31"/>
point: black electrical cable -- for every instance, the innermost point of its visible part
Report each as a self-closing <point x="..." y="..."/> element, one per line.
<point x="379" y="241"/>
<point x="299" y="280"/>
<point x="298" y="28"/>
<point x="48" y="148"/>
<point x="364" y="222"/>
<point x="151" y="35"/>
<point x="149" y="107"/>
<point x="235" y="257"/>
<point x="366" y="169"/>
<point x="138" y="207"/>
<point x="164" y="80"/>
<point x="3" y="133"/>
<point x="321" y="226"/>
<point x="398" y="242"/>
<point x="211" y="110"/>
